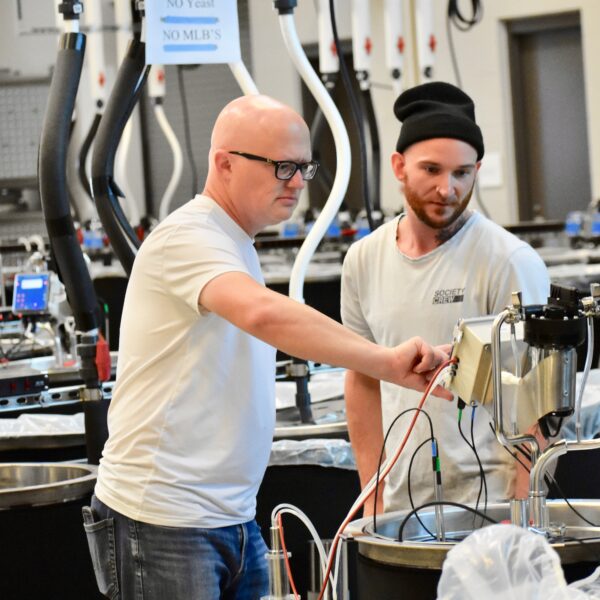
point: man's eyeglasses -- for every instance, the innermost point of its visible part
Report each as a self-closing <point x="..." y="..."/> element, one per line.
<point x="284" y="169"/>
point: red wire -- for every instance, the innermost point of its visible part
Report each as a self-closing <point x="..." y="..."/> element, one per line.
<point x="351" y="515"/>
<point x="286" y="558"/>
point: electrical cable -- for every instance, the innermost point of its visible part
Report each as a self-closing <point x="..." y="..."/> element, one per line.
<point x="374" y="176"/>
<point x="410" y="498"/>
<point x="459" y="20"/>
<point x="286" y="558"/>
<point x="356" y="114"/>
<point x="441" y="503"/>
<point x="404" y="412"/>
<point x="187" y="131"/>
<point x="369" y="488"/>
<point x="14" y="348"/>
<point x="483" y="482"/>
<point x="514" y="455"/>
<point x="550" y="481"/>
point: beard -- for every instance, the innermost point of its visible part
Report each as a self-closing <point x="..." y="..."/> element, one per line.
<point x="419" y="204"/>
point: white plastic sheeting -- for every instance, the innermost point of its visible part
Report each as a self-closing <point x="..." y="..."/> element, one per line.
<point x="505" y="562"/>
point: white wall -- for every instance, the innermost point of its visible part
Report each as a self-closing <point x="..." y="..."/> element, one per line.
<point x="482" y="58"/>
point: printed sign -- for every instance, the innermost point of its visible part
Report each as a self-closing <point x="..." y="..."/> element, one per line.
<point x="192" y="32"/>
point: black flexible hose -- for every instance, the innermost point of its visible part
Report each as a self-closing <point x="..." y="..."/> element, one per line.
<point x="374" y="178"/>
<point x="63" y="241"/>
<point x="356" y="114"/>
<point x="123" y="98"/>
<point x="74" y="205"/>
<point x="187" y="130"/>
<point x="324" y="178"/>
<point x="83" y="154"/>
<point x="53" y="182"/>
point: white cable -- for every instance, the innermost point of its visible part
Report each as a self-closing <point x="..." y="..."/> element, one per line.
<point x="165" y="203"/>
<point x="26" y="242"/>
<point x="243" y="77"/>
<point x="294" y="510"/>
<point x="342" y="148"/>
<point x="336" y="570"/>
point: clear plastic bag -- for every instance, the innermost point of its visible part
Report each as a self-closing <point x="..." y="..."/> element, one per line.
<point x="590" y="585"/>
<point x="504" y="562"/>
<point x="313" y="451"/>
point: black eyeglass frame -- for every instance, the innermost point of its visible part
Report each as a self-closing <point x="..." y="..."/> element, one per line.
<point x="278" y="163"/>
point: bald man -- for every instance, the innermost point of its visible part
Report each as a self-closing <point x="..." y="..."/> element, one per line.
<point x="192" y="414"/>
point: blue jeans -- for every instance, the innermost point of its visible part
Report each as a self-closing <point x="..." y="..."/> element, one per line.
<point x="139" y="561"/>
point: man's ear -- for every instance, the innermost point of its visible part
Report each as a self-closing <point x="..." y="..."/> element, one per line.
<point x="222" y="164"/>
<point x="398" y="165"/>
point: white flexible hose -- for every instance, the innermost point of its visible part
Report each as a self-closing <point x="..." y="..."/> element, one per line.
<point x="165" y="203"/>
<point x="124" y="34"/>
<point x="243" y="77"/>
<point x="294" y="510"/>
<point x="342" y="148"/>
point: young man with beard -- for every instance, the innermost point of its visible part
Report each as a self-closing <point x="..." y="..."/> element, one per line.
<point x="418" y="274"/>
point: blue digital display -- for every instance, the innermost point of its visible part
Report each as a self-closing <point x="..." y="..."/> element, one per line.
<point x="30" y="293"/>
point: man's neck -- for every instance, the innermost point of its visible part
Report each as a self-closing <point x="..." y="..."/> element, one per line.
<point x="223" y="200"/>
<point x="415" y="239"/>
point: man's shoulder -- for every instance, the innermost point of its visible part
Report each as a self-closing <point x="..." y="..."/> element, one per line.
<point x="494" y="237"/>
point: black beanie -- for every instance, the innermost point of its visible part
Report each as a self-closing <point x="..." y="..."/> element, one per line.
<point x="437" y="110"/>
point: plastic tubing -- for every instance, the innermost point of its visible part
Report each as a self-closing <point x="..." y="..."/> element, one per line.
<point x="164" y="124"/>
<point x="342" y="147"/>
<point x="243" y="77"/>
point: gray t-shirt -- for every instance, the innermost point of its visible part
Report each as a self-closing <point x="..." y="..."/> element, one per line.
<point x="388" y="297"/>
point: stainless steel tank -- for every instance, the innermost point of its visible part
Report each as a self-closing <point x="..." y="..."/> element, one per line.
<point x="43" y="548"/>
<point x="379" y="566"/>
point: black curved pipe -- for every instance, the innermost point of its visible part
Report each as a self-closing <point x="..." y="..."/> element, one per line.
<point x="357" y="117"/>
<point x="72" y="201"/>
<point x="83" y="153"/>
<point x="375" y="150"/>
<point x="63" y="241"/>
<point x="126" y="91"/>
<point x="53" y="183"/>
<point x="324" y="177"/>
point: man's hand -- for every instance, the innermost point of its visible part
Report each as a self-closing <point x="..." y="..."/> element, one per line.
<point x="415" y="363"/>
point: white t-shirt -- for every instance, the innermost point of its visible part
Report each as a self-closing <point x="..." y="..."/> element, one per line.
<point x="193" y="410"/>
<point x="388" y="297"/>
